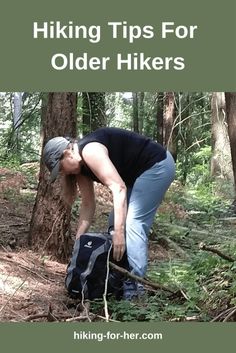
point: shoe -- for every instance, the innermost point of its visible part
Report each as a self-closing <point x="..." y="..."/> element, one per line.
<point x="129" y="290"/>
<point x="132" y="290"/>
<point x="140" y="290"/>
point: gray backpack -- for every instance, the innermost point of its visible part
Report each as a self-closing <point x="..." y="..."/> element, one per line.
<point x="87" y="271"/>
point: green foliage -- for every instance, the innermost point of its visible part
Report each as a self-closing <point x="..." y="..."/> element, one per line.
<point x="192" y="131"/>
<point x="207" y="280"/>
<point x="145" y="309"/>
<point x="119" y="110"/>
<point x="24" y="146"/>
<point x="13" y="162"/>
<point x="199" y="173"/>
<point x="202" y="197"/>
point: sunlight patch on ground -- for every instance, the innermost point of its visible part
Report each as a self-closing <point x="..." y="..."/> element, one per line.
<point x="10" y="284"/>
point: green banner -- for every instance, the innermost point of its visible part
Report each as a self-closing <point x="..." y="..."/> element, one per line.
<point x="112" y="337"/>
<point x="118" y="45"/>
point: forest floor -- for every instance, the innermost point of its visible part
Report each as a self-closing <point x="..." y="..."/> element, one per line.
<point x="204" y="284"/>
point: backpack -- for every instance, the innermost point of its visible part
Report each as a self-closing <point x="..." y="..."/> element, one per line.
<point x="87" y="269"/>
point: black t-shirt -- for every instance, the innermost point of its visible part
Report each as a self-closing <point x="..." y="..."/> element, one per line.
<point x="130" y="152"/>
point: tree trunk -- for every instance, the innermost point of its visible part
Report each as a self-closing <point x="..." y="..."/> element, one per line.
<point x="141" y="111"/>
<point x="231" y="118"/>
<point x="168" y="122"/>
<point x="17" y="109"/>
<point x="135" y="112"/>
<point x="184" y="134"/>
<point x="17" y="112"/>
<point x="159" y="116"/>
<point x="94" y="115"/>
<point x="50" y="222"/>
<point x="221" y="164"/>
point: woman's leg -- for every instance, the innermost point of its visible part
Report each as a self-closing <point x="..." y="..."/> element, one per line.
<point x="147" y="193"/>
<point x="143" y="201"/>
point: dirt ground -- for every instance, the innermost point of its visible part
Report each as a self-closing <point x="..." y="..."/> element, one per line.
<point x="32" y="285"/>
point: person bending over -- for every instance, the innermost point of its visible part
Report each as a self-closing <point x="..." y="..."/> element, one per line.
<point x="137" y="170"/>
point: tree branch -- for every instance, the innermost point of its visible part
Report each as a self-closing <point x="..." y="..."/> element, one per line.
<point x="139" y="279"/>
<point x="202" y="246"/>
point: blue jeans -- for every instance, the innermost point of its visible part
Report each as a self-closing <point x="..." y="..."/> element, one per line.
<point x="144" y="198"/>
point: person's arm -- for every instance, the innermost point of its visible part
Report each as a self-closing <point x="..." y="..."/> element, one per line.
<point x="87" y="207"/>
<point x="96" y="157"/>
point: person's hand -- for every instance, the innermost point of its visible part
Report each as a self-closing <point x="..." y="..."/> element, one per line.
<point x="118" y="240"/>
